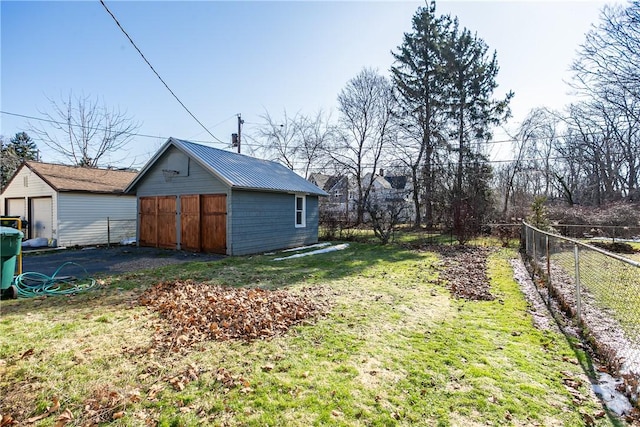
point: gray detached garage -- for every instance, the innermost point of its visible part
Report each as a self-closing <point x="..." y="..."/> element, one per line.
<point x="203" y="199"/>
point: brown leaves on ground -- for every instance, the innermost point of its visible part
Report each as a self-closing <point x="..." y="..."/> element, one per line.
<point x="615" y="247"/>
<point x="196" y="312"/>
<point x="465" y="270"/>
<point x="107" y="404"/>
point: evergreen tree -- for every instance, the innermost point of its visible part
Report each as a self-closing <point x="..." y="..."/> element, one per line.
<point x="470" y="82"/>
<point x="19" y="149"/>
<point x="418" y="73"/>
<point x="24" y="147"/>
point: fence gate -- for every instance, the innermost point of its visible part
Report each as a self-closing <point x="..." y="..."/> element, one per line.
<point x="158" y="221"/>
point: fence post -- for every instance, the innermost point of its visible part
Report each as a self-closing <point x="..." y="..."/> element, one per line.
<point x="535" y="248"/>
<point x="548" y="244"/>
<point x="108" y="233"/>
<point x="548" y="251"/>
<point x="576" y="256"/>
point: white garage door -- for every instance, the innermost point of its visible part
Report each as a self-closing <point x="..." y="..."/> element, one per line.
<point x="15" y="207"/>
<point x="41" y="217"/>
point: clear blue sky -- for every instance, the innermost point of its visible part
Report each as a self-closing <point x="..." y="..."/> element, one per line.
<point x="224" y="58"/>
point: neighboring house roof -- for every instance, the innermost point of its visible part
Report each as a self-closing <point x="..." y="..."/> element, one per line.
<point x="320" y="180"/>
<point x="378" y="181"/>
<point x="397" y="182"/>
<point x="327" y="182"/>
<point x="336" y="182"/>
<point x="237" y="170"/>
<point x="77" y="178"/>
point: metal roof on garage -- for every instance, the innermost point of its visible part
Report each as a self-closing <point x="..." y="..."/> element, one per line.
<point x="237" y="170"/>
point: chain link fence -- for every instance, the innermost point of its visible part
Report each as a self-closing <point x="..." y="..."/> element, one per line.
<point x="603" y="232"/>
<point x="120" y="231"/>
<point x="598" y="290"/>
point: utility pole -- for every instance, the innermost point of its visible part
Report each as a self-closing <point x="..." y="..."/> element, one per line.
<point x="240" y="122"/>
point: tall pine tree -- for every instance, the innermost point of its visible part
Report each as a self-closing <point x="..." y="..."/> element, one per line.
<point x="417" y="73"/>
<point x="470" y="81"/>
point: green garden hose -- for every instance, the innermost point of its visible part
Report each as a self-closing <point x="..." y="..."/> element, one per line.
<point x="31" y="284"/>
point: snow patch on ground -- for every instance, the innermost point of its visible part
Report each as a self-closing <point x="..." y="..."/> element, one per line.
<point x="607" y="390"/>
<point x="302" y="248"/>
<point x="340" y="247"/>
<point x="542" y="319"/>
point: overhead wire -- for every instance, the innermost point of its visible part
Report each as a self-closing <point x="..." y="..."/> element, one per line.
<point x="48" y="120"/>
<point x="215" y="125"/>
<point x="156" y="73"/>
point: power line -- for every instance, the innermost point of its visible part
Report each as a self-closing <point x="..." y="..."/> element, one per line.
<point x="42" y="119"/>
<point x="215" y="125"/>
<point x="156" y="73"/>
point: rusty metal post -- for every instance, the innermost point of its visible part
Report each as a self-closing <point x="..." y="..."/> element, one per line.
<point x="576" y="256"/>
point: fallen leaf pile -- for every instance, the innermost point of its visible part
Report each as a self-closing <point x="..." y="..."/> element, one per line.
<point x="465" y="270"/>
<point x="196" y="312"/>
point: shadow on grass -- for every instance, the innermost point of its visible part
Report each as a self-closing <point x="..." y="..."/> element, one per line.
<point x="587" y="363"/>
<point x="247" y="271"/>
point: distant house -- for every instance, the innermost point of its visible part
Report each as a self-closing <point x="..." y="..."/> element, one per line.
<point x="337" y="188"/>
<point x="68" y="204"/>
<point x="343" y="193"/>
<point x="200" y="198"/>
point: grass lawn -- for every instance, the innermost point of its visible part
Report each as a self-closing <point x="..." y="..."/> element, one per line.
<point x="394" y="349"/>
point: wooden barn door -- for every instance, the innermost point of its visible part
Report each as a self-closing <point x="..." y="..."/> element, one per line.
<point x="148" y="221"/>
<point x="167" y="237"/>
<point x="190" y="223"/>
<point x="158" y="221"/>
<point x="213" y="223"/>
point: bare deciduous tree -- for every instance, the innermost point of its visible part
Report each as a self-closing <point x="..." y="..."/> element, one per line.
<point x="385" y="214"/>
<point x="84" y="130"/>
<point x="298" y="142"/>
<point x="316" y="133"/>
<point x="366" y="107"/>
<point x="279" y="138"/>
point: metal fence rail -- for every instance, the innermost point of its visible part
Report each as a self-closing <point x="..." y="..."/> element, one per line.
<point x="590" y="231"/>
<point x="599" y="290"/>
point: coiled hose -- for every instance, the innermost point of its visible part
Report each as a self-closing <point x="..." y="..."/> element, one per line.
<point x="31" y="284"/>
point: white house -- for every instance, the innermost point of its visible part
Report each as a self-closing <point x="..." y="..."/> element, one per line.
<point x="70" y="204"/>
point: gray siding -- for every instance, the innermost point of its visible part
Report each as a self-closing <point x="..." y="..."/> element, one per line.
<point x="198" y="180"/>
<point x="266" y="221"/>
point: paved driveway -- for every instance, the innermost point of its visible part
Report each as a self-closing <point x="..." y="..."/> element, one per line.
<point x="106" y="260"/>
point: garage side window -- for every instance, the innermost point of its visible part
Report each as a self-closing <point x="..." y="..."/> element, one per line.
<point x="300" y="211"/>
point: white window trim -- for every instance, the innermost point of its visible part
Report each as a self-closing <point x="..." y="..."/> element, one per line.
<point x="304" y="210"/>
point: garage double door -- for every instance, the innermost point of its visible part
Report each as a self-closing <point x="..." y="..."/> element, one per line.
<point x="202" y="222"/>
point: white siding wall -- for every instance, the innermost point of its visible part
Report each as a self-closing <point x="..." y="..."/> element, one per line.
<point x="27" y="184"/>
<point x="82" y="217"/>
